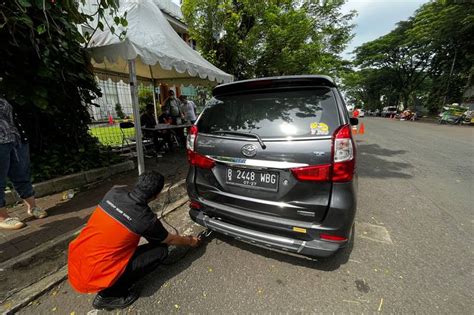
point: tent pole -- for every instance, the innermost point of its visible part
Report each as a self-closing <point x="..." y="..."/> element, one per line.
<point x="136" y="115"/>
<point x="154" y="97"/>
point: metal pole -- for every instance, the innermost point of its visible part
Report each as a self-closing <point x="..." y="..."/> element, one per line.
<point x="136" y="116"/>
<point x="154" y="97"/>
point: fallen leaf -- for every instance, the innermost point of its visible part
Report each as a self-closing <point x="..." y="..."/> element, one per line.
<point x="349" y="301"/>
<point x="73" y="313"/>
<point x="54" y="309"/>
<point x="210" y="269"/>
<point x="380" y="305"/>
<point x="176" y="306"/>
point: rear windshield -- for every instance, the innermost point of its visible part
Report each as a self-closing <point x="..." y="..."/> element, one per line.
<point x="275" y="114"/>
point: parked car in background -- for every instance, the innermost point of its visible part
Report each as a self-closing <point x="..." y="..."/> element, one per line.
<point x="272" y="163"/>
<point x="388" y="111"/>
<point x="361" y="113"/>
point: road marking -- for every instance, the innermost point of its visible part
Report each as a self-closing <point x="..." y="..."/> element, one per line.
<point x="373" y="232"/>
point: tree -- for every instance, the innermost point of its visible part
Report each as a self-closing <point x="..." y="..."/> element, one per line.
<point x="448" y="27"/>
<point x="430" y="54"/>
<point x="119" y="111"/>
<point x="47" y="76"/>
<point x="367" y="86"/>
<point x="408" y="60"/>
<point x="275" y="37"/>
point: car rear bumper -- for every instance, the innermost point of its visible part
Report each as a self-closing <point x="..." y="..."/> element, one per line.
<point x="312" y="248"/>
<point x="277" y="232"/>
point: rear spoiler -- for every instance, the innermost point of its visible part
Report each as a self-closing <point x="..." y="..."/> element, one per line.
<point x="274" y="83"/>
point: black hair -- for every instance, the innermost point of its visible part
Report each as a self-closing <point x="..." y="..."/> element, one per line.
<point x="150" y="106"/>
<point x="149" y="184"/>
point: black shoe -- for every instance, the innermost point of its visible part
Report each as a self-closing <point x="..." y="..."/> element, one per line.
<point x="110" y="303"/>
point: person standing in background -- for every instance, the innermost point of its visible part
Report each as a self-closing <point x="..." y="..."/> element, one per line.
<point x="15" y="164"/>
<point x="188" y="108"/>
<point x="171" y="108"/>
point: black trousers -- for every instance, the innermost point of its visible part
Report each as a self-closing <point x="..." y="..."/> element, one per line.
<point x="145" y="259"/>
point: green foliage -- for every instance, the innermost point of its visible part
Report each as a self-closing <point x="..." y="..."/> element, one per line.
<point x="427" y="58"/>
<point x="47" y="76"/>
<point x="55" y="161"/>
<point x="145" y="96"/>
<point x="264" y="38"/>
<point x="119" y="111"/>
<point x="366" y="87"/>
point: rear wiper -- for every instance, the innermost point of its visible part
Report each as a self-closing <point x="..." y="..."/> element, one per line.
<point x="246" y="134"/>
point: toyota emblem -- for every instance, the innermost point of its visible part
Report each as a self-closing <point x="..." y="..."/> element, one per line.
<point x="249" y="150"/>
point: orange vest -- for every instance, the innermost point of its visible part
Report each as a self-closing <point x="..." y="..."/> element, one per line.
<point x="100" y="254"/>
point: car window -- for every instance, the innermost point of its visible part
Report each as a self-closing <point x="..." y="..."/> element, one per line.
<point x="275" y="114"/>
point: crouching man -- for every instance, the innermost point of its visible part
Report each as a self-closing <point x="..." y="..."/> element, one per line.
<point x="106" y="258"/>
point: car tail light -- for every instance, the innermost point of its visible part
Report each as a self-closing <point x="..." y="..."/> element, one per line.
<point x="195" y="158"/>
<point x="342" y="169"/>
<point x="318" y="173"/>
<point x="200" y="161"/>
<point x="344" y="157"/>
<point x="334" y="238"/>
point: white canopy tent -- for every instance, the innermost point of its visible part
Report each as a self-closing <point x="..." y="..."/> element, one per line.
<point x="151" y="49"/>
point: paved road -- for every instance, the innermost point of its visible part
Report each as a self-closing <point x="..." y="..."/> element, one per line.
<point x="412" y="251"/>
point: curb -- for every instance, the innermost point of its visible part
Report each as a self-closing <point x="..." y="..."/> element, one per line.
<point x="45" y="260"/>
<point x="37" y="289"/>
<point x="170" y="194"/>
<point x="78" y="180"/>
<point x="173" y="197"/>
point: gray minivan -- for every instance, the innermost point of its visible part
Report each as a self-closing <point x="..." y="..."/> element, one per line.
<point x="272" y="163"/>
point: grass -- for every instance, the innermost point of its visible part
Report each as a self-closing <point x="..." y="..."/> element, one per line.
<point x="110" y="135"/>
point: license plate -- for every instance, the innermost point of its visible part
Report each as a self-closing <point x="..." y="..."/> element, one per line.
<point x="252" y="179"/>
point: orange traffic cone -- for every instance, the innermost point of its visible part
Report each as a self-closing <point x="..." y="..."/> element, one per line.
<point x="362" y="129"/>
<point x="111" y="120"/>
<point x="354" y="130"/>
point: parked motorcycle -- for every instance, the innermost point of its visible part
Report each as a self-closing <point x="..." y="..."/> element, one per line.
<point x="450" y="118"/>
<point x="467" y="118"/>
<point x="452" y="115"/>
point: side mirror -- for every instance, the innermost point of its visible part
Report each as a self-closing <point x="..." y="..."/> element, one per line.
<point x="354" y="121"/>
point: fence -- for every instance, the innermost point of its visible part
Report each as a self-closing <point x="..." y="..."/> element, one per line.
<point x="115" y="105"/>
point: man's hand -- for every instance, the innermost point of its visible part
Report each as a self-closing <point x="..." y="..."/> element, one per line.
<point x="178" y="240"/>
<point x="194" y="241"/>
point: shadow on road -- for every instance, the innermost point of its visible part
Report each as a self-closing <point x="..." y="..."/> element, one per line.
<point x="179" y="259"/>
<point x="371" y="162"/>
<point x="326" y="264"/>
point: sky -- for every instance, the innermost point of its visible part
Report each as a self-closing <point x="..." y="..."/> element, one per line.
<point x="377" y="17"/>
